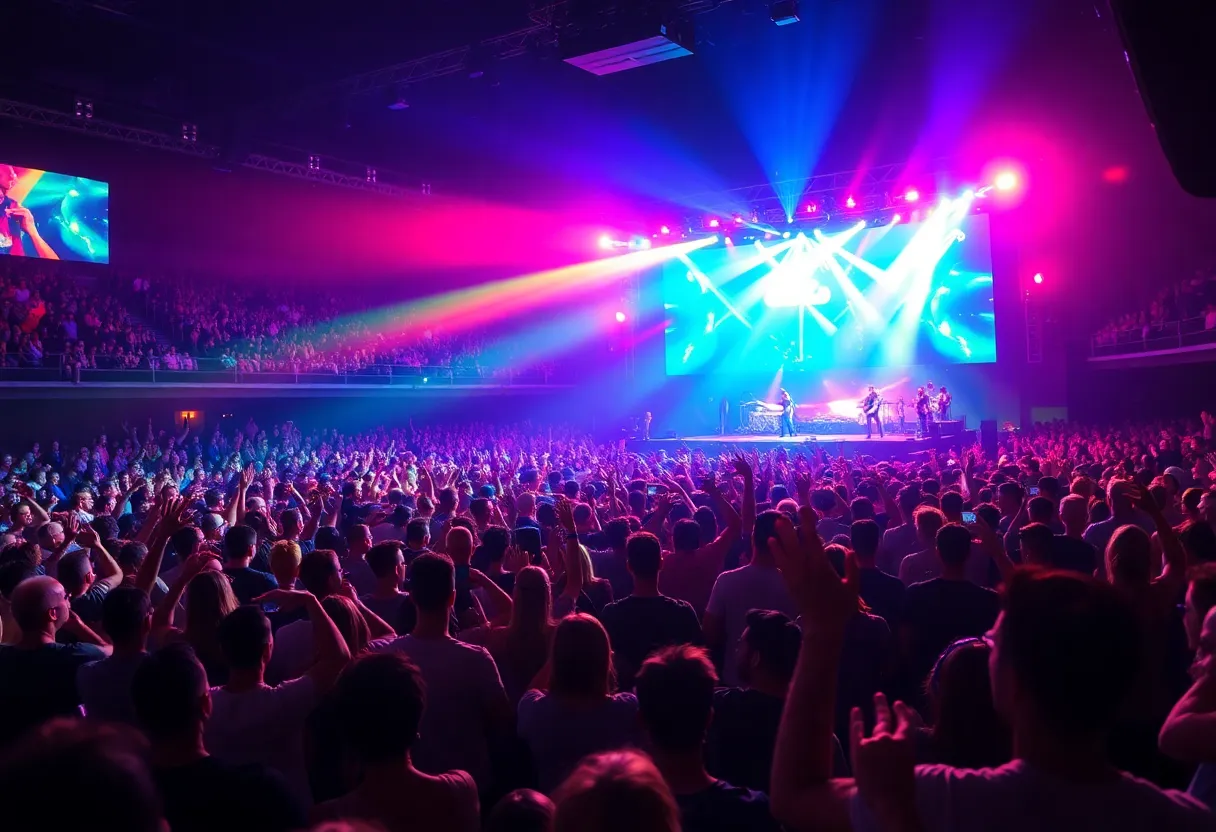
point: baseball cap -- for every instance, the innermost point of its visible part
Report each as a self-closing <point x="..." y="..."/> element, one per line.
<point x="211" y="522"/>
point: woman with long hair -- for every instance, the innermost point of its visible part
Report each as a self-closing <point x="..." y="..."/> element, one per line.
<point x="209" y="598"/>
<point x="578" y="714"/>
<point x="520" y="647"/>
<point x="967" y="731"/>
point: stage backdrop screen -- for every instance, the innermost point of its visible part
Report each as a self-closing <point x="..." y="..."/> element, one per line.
<point x="54" y="216"/>
<point x="868" y="296"/>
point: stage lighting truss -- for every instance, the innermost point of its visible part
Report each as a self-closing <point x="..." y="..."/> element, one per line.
<point x="876" y="195"/>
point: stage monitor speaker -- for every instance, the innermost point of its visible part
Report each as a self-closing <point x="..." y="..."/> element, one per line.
<point x="935" y="430"/>
<point x="988" y="437"/>
<point x="1169" y="46"/>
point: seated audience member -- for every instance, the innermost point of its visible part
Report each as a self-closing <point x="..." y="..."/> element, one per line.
<point x="70" y="775"/>
<point x="105" y="685"/>
<point x="578" y="714"/>
<point x="523" y="810"/>
<point x="646" y="619"/>
<point x="240" y="545"/>
<point x="1065" y="655"/>
<point x="252" y="722"/>
<point x="379" y="702"/>
<point x="468" y="705"/>
<point x="614" y="791"/>
<point x="743" y="732"/>
<point x="966" y="731"/>
<point x="924" y="564"/>
<point x="199" y="793"/>
<point x="675" y="700"/>
<point x="37" y="672"/>
<point x="883" y="593"/>
<point x="755" y="586"/>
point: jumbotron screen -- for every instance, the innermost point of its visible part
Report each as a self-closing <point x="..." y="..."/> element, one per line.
<point x="868" y="296"/>
<point x="54" y="216"/>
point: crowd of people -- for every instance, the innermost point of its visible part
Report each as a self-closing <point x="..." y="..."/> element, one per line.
<point x="43" y="311"/>
<point x="1187" y="306"/>
<point x="48" y="311"/>
<point x="519" y="628"/>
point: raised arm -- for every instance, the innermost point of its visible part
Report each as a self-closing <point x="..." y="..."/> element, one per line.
<point x="332" y="654"/>
<point x="109" y="573"/>
<point x="747" y="518"/>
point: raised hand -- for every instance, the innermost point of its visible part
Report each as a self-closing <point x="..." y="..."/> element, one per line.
<point x="565" y="515"/>
<point x="515" y="560"/>
<point x="884" y="764"/>
<point x="827" y="602"/>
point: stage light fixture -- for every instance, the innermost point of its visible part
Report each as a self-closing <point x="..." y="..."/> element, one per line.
<point x="1006" y="180"/>
<point x="784" y="12"/>
<point x="664" y="230"/>
<point x="785" y="235"/>
<point x="911" y="195"/>
<point x="620" y="317"/>
<point x="738" y="219"/>
<point x="84" y="108"/>
<point x="1038" y="277"/>
<point x="730" y="242"/>
<point x="713" y="223"/>
<point x="371" y="175"/>
<point x="850" y="203"/>
<point x="605" y="242"/>
<point x="811" y="207"/>
<point x="314" y="163"/>
<point x="189" y="132"/>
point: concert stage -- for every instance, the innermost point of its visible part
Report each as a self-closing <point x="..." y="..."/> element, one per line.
<point x="891" y="446"/>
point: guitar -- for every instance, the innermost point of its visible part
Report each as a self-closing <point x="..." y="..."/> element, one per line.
<point x="872" y="410"/>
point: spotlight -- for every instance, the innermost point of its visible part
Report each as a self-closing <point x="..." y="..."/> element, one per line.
<point x="606" y="242"/>
<point x="84" y="108"/>
<point x="664" y="230"/>
<point x="1038" y="277"/>
<point x="811" y="208"/>
<point x="738" y="219"/>
<point x="896" y="219"/>
<point x="713" y="223"/>
<point x="911" y="195"/>
<point x="314" y="163"/>
<point x="639" y="243"/>
<point x="784" y="12"/>
<point x="620" y="317"/>
<point x="371" y="176"/>
<point x="730" y="242"/>
<point x="189" y="132"/>
<point x="785" y="235"/>
<point x="850" y="203"/>
<point x="1006" y="181"/>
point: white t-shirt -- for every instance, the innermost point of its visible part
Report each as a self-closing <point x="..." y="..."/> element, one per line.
<point x="1017" y="798"/>
<point x="293" y="653"/>
<point x="264" y="725"/>
<point x="738" y="591"/>
<point x="920" y="566"/>
<point x="462" y="689"/>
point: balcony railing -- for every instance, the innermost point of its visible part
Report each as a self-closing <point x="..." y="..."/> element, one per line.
<point x="1171" y="335"/>
<point x="54" y="368"/>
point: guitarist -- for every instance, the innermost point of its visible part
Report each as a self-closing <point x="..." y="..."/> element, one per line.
<point x="871" y="405"/>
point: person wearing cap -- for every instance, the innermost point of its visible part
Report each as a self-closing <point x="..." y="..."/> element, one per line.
<point x="213" y="528"/>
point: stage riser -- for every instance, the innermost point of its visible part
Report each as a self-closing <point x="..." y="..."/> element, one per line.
<point x="904" y="448"/>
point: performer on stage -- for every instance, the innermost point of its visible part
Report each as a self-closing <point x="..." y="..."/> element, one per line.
<point x="723" y="413"/>
<point x="787" y="413"/>
<point x="922" y="410"/>
<point x="647" y="418"/>
<point x="943" y="405"/>
<point x="871" y="405"/>
<point x="899" y="414"/>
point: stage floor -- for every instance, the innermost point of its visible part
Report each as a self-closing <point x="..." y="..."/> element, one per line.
<point x="891" y="446"/>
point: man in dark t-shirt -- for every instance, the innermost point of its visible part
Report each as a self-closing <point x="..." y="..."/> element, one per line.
<point x="882" y="592"/>
<point x="37" y="674"/>
<point x="675" y="690"/>
<point x="240" y="543"/>
<point x="646" y="620"/>
<point x="198" y="792"/>
<point x="940" y="611"/>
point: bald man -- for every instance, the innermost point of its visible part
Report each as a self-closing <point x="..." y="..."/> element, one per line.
<point x="37" y="673"/>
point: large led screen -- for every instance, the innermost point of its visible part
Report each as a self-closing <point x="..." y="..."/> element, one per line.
<point x="892" y="295"/>
<point x="53" y="216"/>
